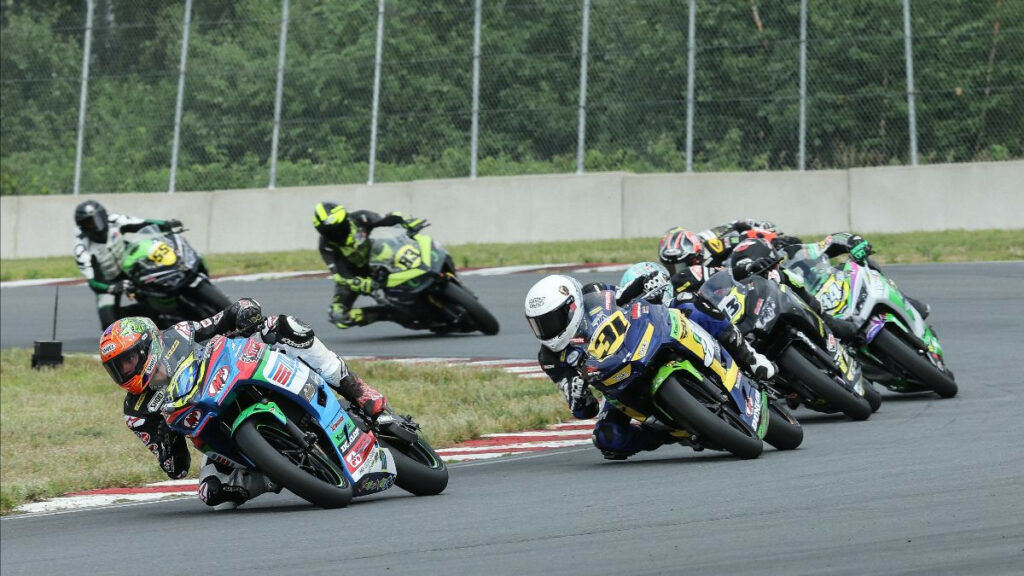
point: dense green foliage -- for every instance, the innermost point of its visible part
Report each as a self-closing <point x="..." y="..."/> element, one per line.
<point x="969" y="63"/>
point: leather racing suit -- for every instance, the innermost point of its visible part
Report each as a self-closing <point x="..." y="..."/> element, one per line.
<point x="100" y="263"/>
<point x="349" y="266"/>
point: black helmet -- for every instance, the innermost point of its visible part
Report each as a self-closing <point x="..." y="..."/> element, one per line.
<point x="753" y="256"/>
<point x="331" y="221"/>
<point x="91" y="218"/>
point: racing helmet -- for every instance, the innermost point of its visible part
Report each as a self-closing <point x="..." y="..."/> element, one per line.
<point x="554" y="310"/>
<point x="331" y="221"/>
<point x="91" y="219"/>
<point x="680" y="246"/>
<point x="658" y="289"/>
<point x="130" y="350"/>
<point x="753" y="256"/>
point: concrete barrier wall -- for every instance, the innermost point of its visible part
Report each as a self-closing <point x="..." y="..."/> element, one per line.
<point x="560" y="207"/>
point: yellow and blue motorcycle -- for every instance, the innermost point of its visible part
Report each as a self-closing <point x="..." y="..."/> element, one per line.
<point x="668" y="373"/>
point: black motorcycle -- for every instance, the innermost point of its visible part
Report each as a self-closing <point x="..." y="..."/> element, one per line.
<point x="815" y="368"/>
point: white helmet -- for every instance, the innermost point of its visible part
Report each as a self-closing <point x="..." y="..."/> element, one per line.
<point x="554" y="310"/>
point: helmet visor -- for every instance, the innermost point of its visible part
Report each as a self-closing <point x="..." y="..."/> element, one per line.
<point x="128" y="364"/>
<point x="553" y="322"/>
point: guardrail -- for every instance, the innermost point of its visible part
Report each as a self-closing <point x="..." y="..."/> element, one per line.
<point x="560" y="207"/>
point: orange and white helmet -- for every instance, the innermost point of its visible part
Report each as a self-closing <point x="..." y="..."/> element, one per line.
<point x="130" y="349"/>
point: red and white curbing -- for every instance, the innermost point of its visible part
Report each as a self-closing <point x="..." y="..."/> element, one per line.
<point x="486" y="447"/>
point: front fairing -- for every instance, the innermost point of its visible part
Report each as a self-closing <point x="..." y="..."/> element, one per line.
<point x="235" y="371"/>
<point x="626" y="346"/>
<point x="159" y="264"/>
<point x="413" y="264"/>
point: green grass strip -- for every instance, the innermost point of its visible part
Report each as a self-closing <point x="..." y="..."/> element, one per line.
<point x="907" y="247"/>
<point x="62" y="430"/>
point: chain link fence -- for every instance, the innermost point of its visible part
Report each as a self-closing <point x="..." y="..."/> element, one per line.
<point x="459" y="88"/>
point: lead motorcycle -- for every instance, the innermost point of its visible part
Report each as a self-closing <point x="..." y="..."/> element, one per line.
<point x="170" y="280"/>
<point x="416" y="279"/>
<point x="815" y="368"/>
<point x="901" y="350"/>
<point x="666" y="372"/>
<point x="248" y="406"/>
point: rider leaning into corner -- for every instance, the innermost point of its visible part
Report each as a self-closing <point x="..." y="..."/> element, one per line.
<point x="694" y="256"/>
<point x="99" y="251"/>
<point x="344" y="245"/>
<point x="554" y="312"/>
<point x="140" y="359"/>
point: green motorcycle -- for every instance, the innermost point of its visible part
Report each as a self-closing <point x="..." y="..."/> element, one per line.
<point x="901" y="351"/>
<point x="171" y="282"/>
<point x="416" y="279"/>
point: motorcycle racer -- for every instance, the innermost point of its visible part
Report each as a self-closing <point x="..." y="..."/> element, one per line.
<point x="553" y="311"/>
<point x="713" y="246"/>
<point x="98" y="251"/>
<point x="141" y="359"/>
<point x="345" y="248"/>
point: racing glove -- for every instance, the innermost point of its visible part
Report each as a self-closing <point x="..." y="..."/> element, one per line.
<point x="119" y="286"/>
<point x="357" y="284"/>
<point x="169" y="225"/>
<point x="581" y="402"/>
<point x="248" y="314"/>
<point x="414" y="225"/>
<point x="650" y="286"/>
<point x="860" y="248"/>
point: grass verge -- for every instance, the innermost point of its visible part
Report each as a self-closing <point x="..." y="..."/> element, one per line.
<point x="907" y="247"/>
<point x="62" y="430"/>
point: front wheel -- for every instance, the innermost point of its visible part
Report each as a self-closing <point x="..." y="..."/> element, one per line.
<point x="310" y="474"/>
<point x="420" y="470"/>
<point x="207" y="299"/>
<point x="717" y="422"/>
<point x="784" y="432"/>
<point x="482" y="318"/>
<point x="795" y="365"/>
<point x="889" y="345"/>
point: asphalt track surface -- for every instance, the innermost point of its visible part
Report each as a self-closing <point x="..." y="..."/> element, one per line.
<point x="926" y="486"/>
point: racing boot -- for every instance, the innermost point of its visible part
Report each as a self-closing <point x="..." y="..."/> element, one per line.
<point x="224" y="487"/>
<point x="754" y="363"/>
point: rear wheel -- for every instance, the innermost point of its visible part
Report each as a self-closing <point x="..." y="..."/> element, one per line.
<point x="310" y="474"/>
<point x="784" y="432"/>
<point x="722" y="426"/>
<point x="888" y="345"/>
<point x="420" y="470"/>
<point x="795" y="365"/>
<point x="482" y="318"/>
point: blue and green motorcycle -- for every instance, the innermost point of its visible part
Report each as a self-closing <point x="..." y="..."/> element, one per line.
<point x="669" y="374"/>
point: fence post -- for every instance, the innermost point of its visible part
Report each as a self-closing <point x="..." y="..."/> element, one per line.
<point x="281" y="49"/>
<point x="181" y="94"/>
<point x="584" y="49"/>
<point x="474" y="133"/>
<point x="909" y="56"/>
<point x="376" y="89"/>
<point x="802" y="156"/>
<point x="691" y="50"/>
<point x="83" y="98"/>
